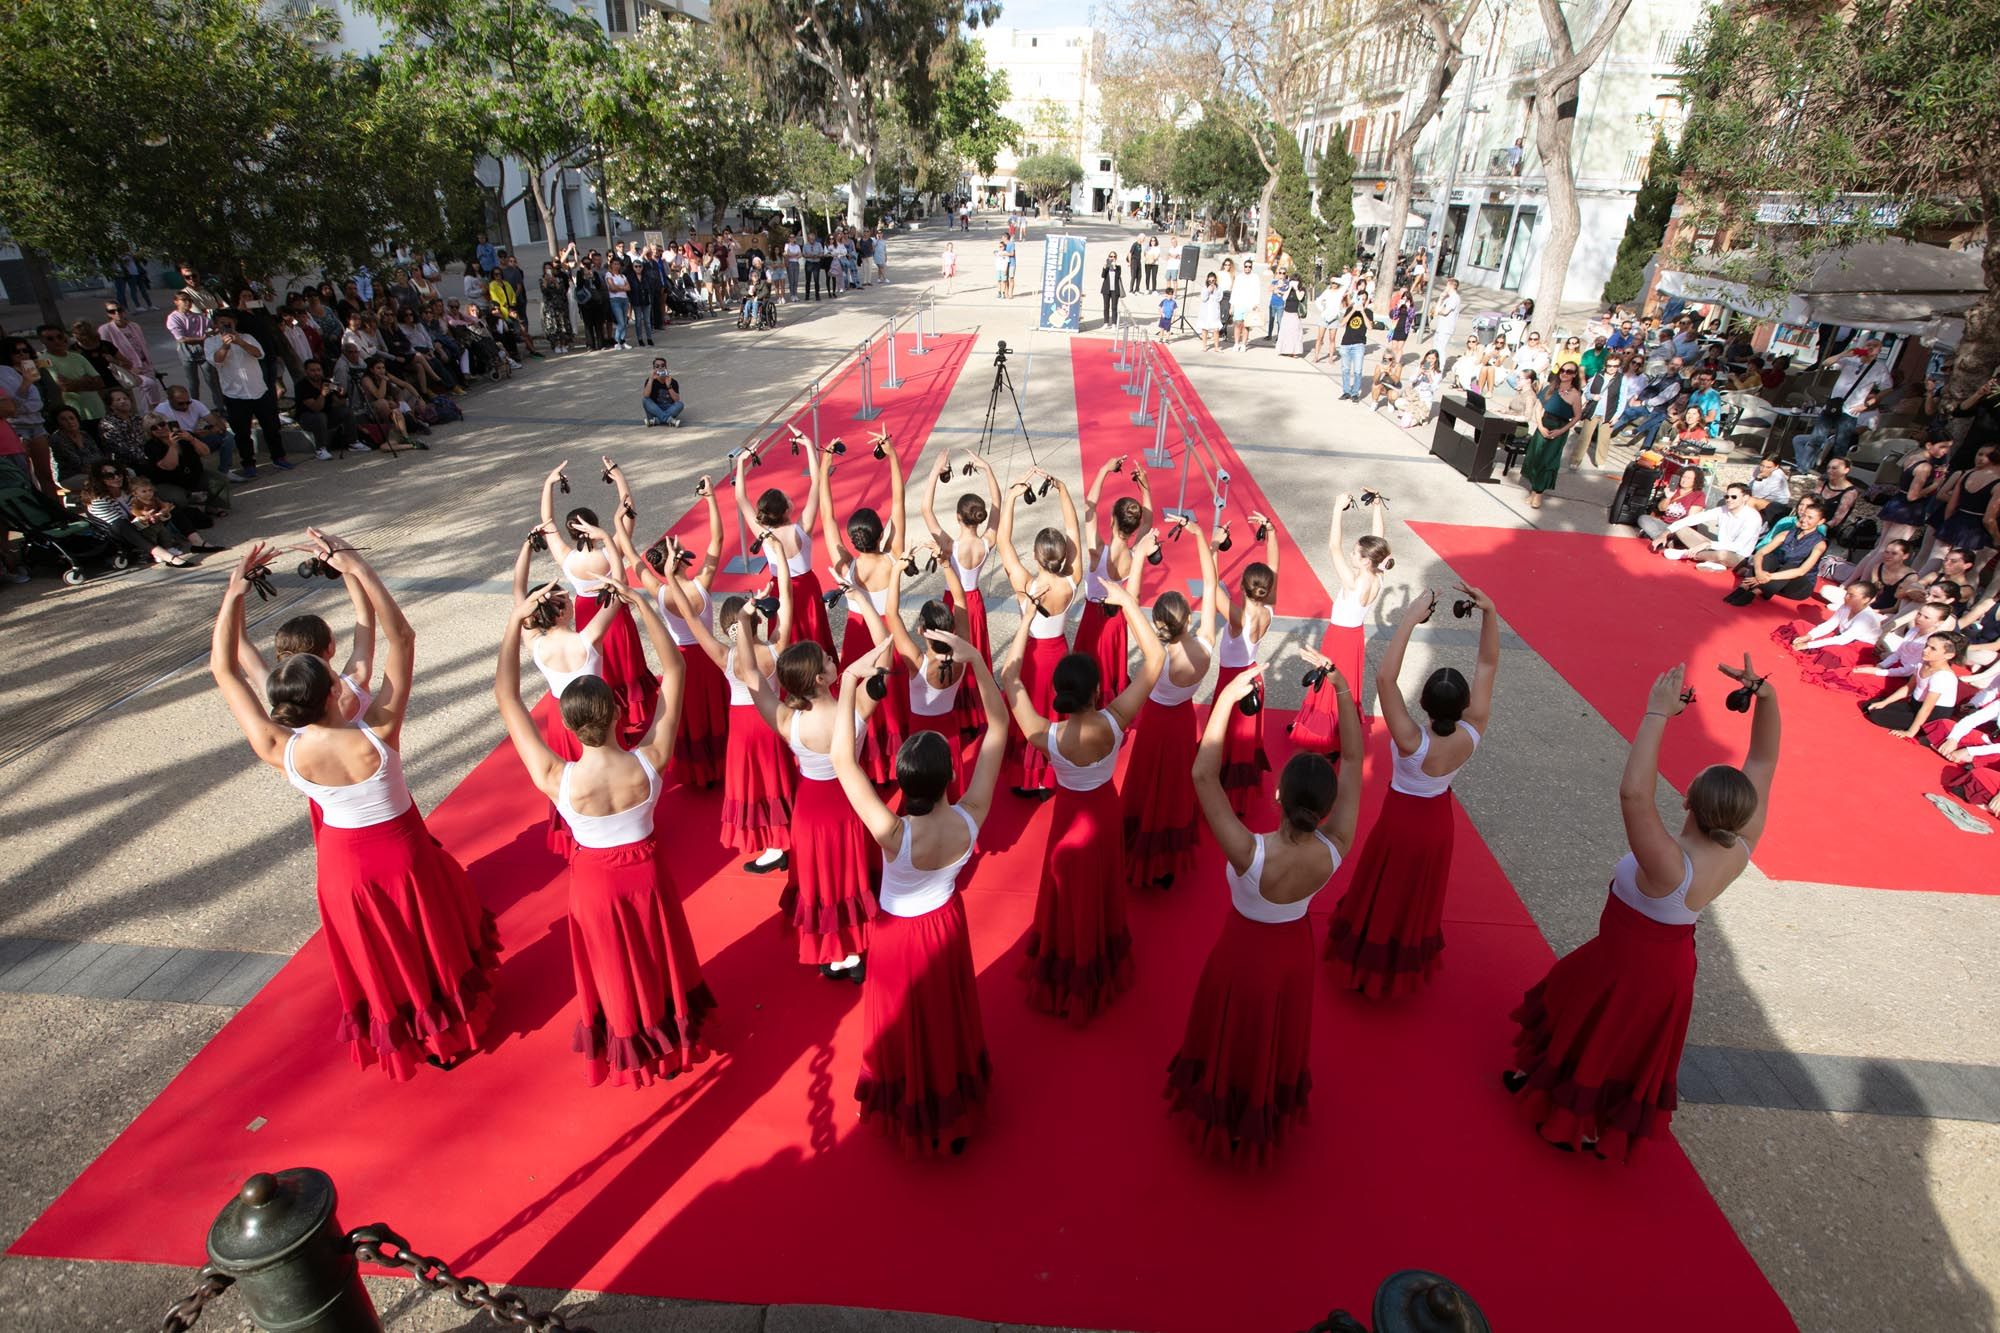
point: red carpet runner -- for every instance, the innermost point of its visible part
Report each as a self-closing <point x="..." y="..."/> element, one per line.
<point x="1609" y="615"/>
<point x="1105" y="430"/>
<point x="1077" y="1205"/>
<point x="908" y="414"/>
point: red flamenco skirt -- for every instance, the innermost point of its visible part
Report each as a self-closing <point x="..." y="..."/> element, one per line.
<point x="1601" y="1034"/>
<point x="1103" y="633"/>
<point x="559" y="738"/>
<point x="1241" y="1076"/>
<point x="976" y="632"/>
<point x="809" y="612"/>
<point x="1317" y="726"/>
<point x="640" y="999"/>
<point x="700" y="744"/>
<point x="412" y="949"/>
<point x="968" y="716"/>
<point x="1388" y="931"/>
<point x="924" y="1068"/>
<point x="889" y="723"/>
<point x="1937" y="729"/>
<point x="1162" y="820"/>
<point x="1814" y="662"/>
<point x="830" y="890"/>
<point x="1244" y="761"/>
<point x="1976" y="783"/>
<point x="1834" y="669"/>
<point x="625" y="669"/>
<point x="1080" y="947"/>
<point x="1038" y="678"/>
<point x="758" y="778"/>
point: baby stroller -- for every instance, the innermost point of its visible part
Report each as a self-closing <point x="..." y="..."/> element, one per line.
<point x="680" y="304"/>
<point x="50" y="535"/>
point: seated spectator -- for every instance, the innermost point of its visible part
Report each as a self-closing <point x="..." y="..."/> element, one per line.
<point x="1888" y="568"/>
<point x="75" y="450"/>
<point x="1465" y="367"/>
<point x="662" y="396"/>
<point x="1418" y="395"/>
<point x="1700" y="421"/>
<point x="1842" y="641"/>
<point x="1646" y="414"/>
<point x="1837" y="431"/>
<point x="1736" y="526"/>
<point x="1837" y="495"/>
<point x="323" y="413"/>
<point x="189" y="472"/>
<point x="1933" y="687"/>
<point x="1625" y="337"/>
<point x="1896" y="663"/>
<point x="391" y="404"/>
<point x="1775" y="373"/>
<point x="1689" y="496"/>
<point x="1594" y="357"/>
<point x="151" y="512"/>
<point x="193" y="416"/>
<point x="1532" y="355"/>
<point x="1770" y="491"/>
<point x="123" y="429"/>
<point x="1784" y="565"/>
<point x="1750" y="379"/>
<point x="22" y="410"/>
<point x="108" y="506"/>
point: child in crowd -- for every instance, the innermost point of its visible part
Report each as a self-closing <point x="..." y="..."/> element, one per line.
<point x="1932" y="688"/>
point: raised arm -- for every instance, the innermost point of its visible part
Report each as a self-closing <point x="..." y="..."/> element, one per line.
<point x="1236" y="841"/>
<point x="882" y="823"/>
<point x="1341" y="819"/>
<point x="1204" y="625"/>
<point x="361" y="648"/>
<point x="746" y="513"/>
<point x="558" y="544"/>
<point x="907" y="648"/>
<point x="1652" y="843"/>
<point x="1010" y="559"/>
<point x="627" y="508"/>
<point x="1092" y="498"/>
<point x="1152" y="656"/>
<point x="931" y="524"/>
<point x="658" y="744"/>
<point x="392" y="695"/>
<point x="1388" y="691"/>
<point x="266" y="737"/>
<point x="977" y="798"/>
<point x="524" y="561"/>
<point x="1270" y="531"/>
<point x="819" y="466"/>
<point x="1480" y="708"/>
<point x="1072" y="527"/>
<point x="543" y="764"/>
<point x="829" y="527"/>
<point x="993" y="491"/>
<point x="1336" y="544"/>
<point x="898" y="536"/>
<point x="1032" y="724"/>
<point x="711" y="556"/>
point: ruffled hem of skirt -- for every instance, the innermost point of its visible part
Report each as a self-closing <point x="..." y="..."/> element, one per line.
<point x="448" y="1027"/>
<point x="1230" y="1127"/>
<point x="1073" y="990"/>
<point x="659" y="1051"/>
<point x="1377" y="971"/>
<point x="927" y="1125"/>
<point x="1565" y="1111"/>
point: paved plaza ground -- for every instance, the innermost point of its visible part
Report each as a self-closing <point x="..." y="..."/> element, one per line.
<point x="1844" y="1107"/>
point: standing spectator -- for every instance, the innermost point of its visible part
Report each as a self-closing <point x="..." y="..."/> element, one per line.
<point x="1245" y="297"/>
<point x="881" y="257"/>
<point x="188" y="327"/>
<point x="795" y="255"/>
<point x="618" y="289"/>
<point x="200" y="292"/>
<point x="1560" y="409"/>
<point x="1111" y="286"/>
<point x="1208" y="318"/>
<point x="254" y="320"/>
<point x="1009" y="247"/>
<point x="1291" y="298"/>
<point x="645" y="297"/>
<point x="1402" y="314"/>
<point x="1355" y="317"/>
<point x="555" y="307"/>
<point x="1274" y="304"/>
<point x="1444" y="314"/>
<point x="130" y="340"/>
<point x="246" y="397"/>
<point x="662" y="398"/>
<point x="1152" y="264"/>
<point x="1135" y="262"/>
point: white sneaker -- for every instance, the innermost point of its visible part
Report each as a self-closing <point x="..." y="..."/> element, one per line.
<point x="1677" y="553"/>
<point x="322" y="455"/>
<point x="1711" y="566"/>
<point x="512" y="364"/>
<point x="360" y="447"/>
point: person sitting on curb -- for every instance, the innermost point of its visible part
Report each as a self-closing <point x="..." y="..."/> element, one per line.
<point x="662" y="399"/>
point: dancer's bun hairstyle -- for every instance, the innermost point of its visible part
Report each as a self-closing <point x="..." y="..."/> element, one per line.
<point x="589" y="709"/>
<point x="935" y="615"/>
<point x="1722" y="800"/>
<point x="972" y="510"/>
<point x="1076" y="681"/>
<point x="1306" y="788"/>
<point x="1171" y="616"/>
<point x="774" y="508"/>
<point x="298" y="689"/>
<point x="1126" y="515"/>
<point x="1260" y="581"/>
<point x="1444" y="699"/>
<point x="1375" y="551"/>
<point x="579" y="538"/>
<point x="923" y="771"/>
<point x="1052" y="550"/>
<point x="304" y="634"/>
<point x="549" y="612"/>
<point x="864" y="530"/>
<point x="799" y="669"/>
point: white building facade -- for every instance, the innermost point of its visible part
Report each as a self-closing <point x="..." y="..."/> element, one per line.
<point x="1480" y="189"/>
<point x="1052" y="94"/>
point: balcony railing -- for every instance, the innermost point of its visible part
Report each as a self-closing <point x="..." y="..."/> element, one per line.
<point x="1528" y="56"/>
<point x="1669" y="46"/>
<point x="1636" y="163"/>
<point x="1372" y="164"/>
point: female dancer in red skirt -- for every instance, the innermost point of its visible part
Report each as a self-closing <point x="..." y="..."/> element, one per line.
<point x="1600" y="1042"/>
<point x="1388" y="930"/>
<point x="1101" y="632"/>
<point x="759" y="777"/>
<point x="585" y="559"/>
<point x="561" y="654"/>
<point x="866" y="561"/>
<point x="1244" y="760"/>
<point x="830" y="894"/>
<point x="698" y="750"/>
<point x="640" y="998"/>
<point x="1080" y="949"/>
<point x="936" y="672"/>
<point x="1345" y="647"/>
<point x="412" y="950"/>
<point x="1241" y="1076"/>
<point x="924" y="1069"/>
<point x="969" y="551"/>
<point x="773" y="515"/>
<point x="1159" y="803"/>
<point x="1049" y="591"/>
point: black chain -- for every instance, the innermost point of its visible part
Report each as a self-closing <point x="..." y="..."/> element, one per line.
<point x="184" y="1313"/>
<point x="469" y="1292"/>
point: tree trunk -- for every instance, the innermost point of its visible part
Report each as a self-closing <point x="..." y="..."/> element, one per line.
<point x="1979" y="349"/>
<point x="861" y="187"/>
<point x="1264" y="214"/>
<point x="543" y="196"/>
<point x="1390" y="253"/>
<point x="1555" y="133"/>
<point x="42" y="283"/>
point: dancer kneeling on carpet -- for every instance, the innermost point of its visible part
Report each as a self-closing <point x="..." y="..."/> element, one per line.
<point x="1786" y="564"/>
<point x="640" y="998"/>
<point x="1344" y="649"/>
<point x="1159" y="804"/>
<point x="1080" y="948"/>
<point x="1388" y="931"/>
<point x="1932" y="688"/>
<point x="698" y="749"/>
<point x="924" y="1068"/>
<point x="585" y="556"/>
<point x="561" y="654"/>
<point x="412" y="950"/>
<point x="1244" y="759"/>
<point x="865" y="562"/>
<point x="978" y="516"/>
<point x="773" y="516"/>
<point x="1048" y="592"/>
<point x="1242" y="1076"/>
<point x="1101" y="631"/>
<point x="1599" y="1047"/>
<point x="1969" y="746"/>
<point x="830" y="894"/>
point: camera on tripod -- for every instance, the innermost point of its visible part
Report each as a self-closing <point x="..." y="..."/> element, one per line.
<point x="1000" y="357"/>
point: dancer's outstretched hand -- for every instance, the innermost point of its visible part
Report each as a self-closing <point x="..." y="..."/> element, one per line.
<point x="1239" y="685"/>
<point x="1667" y="691"/>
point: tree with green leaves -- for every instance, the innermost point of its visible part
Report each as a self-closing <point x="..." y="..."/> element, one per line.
<point x="277" y="160"/>
<point x="1335" y="185"/>
<point x="969" y="116"/>
<point x="839" y="65"/>
<point x="682" y="133"/>
<point x="1305" y="236"/>
<point x="812" y="168"/>
<point x="1647" y="227"/>
<point x="1048" y="177"/>
<point x="518" y="67"/>
<point x="1813" y="103"/>
<point x="1217" y="167"/>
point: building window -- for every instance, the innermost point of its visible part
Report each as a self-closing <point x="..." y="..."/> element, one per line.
<point x="1104" y="164"/>
<point x="616" y="19"/>
<point x="1034" y="41"/>
<point x="1489" y="237"/>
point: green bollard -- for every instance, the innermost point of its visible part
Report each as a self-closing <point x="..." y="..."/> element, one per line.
<point x="279" y="1239"/>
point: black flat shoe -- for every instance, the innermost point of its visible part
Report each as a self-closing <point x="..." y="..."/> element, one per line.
<point x="1741" y="597"/>
<point x="1512" y="1081"/>
<point x="783" y="862"/>
<point x="832" y="973"/>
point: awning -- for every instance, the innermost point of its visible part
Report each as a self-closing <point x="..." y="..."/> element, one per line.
<point x="1891" y="286"/>
<point x="1372" y="212"/>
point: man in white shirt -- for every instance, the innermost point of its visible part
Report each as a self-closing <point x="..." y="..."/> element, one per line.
<point x="1248" y="295"/>
<point x="1444" y="314"/>
<point x="1736" y="524"/>
<point x="238" y="359"/>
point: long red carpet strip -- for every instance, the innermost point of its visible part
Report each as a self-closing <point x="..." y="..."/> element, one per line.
<point x="1105" y="430"/>
<point x="1848" y="806"/>
<point x="908" y="415"/>
<point x="1078" y="1204"/>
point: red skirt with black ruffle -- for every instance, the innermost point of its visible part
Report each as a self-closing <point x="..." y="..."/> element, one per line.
<point x="625" y="668"/>
<point x="830" y="890"/>
<point x="1162" y="818"/>
<point x="1038" y="679"/>
<point x="758" y="779"/>
<point x="924" y="1066"/>
<point x="1103" y="633"/>
<point x="1387" y="932"/>
<point x="701" y="739"/>
<point x="1080" y="946"/>
<point x="1244" y="759"/>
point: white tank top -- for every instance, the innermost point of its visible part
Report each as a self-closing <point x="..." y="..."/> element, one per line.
<point x="1237" y="649"/>
<point x="927" y="700"/>
<point x="376" y="799"/>
<point x="908" y="891"/>
<point x="803" y="561"/>
<point x="1407" y="770"/>
<point x="1671" y="910"/>
<point x="739" y="693"/>
<point x="678" y="628"/>
<point x="1049" y="627"/>
<point x="1097" y="575"/>
<point x="593" y="665"/>
<point x="364" y="699"/>
<point x="580" y="585"/>
<point x="879" y="600"/>
<point x="1348" y="610"/>
<point x="968" y="575"/>
<point x="1085" y="777"/>
<point x="617" y="829"/>
<point x="1164" y="690"/>
<point x="1246" y="890"/>
<point x="813" y="764"/>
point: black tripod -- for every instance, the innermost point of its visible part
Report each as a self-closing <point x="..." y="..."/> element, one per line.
<point x="1002" y="380"/>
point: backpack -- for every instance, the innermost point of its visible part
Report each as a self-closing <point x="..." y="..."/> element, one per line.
<point x="447" y="409"/>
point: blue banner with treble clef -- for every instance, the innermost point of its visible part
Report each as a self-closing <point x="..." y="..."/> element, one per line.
<point x="1062" y="284"/>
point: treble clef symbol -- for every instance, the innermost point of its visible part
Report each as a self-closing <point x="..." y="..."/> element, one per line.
<point x="1069" y="287"/>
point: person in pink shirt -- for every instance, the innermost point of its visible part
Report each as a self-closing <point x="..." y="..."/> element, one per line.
<point x="129" y="340"/>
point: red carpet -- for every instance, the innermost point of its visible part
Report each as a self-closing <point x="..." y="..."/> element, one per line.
<point x="908" y="414"/>
<point x="1105" y="430"/>
<point x="1848" y="806"/>
<point x="1078" y="1204"/>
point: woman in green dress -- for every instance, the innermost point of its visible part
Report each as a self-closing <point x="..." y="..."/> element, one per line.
<point x="1561" y="408"/>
